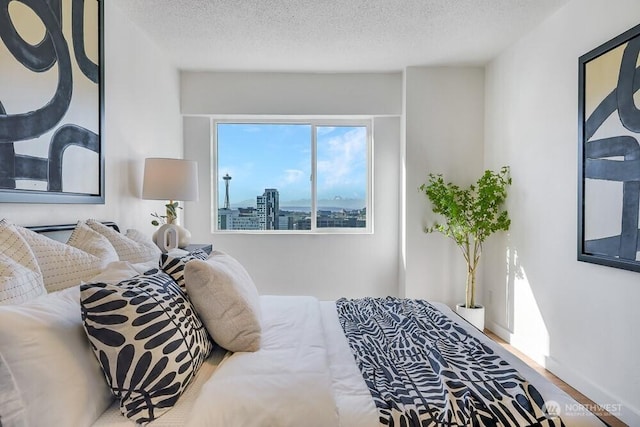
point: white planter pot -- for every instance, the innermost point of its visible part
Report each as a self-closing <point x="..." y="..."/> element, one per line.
<point x="475" y="315"/>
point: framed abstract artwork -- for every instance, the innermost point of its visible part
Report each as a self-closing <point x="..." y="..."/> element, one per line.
<point x="609" y="153"/>
<point x="51" y="101"/>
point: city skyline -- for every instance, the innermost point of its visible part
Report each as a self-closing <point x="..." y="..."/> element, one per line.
<point x="267" y="215"/>
<point x="259" y="156"/>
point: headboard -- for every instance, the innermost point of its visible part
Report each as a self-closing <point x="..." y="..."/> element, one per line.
<point x="61" y="232"/>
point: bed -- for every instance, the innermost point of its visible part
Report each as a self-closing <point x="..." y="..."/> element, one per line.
<point x="317" y="363"/>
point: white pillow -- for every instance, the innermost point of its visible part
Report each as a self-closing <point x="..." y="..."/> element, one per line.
<point x="45" y="347"/>
<point x="12" y="410"/>
<point x="18" y="283"/>
<point x="133" y="246"/>
<point x="226" y="300"/>
<point x="20" y="276"/>
<point x="62" y="265"/>
<point x="92" y="242"/>
<point x="115" y="273"/>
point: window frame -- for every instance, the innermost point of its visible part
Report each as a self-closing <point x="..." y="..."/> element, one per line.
<point x="314" y="122"/>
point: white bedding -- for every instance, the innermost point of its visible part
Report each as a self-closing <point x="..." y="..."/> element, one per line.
<point x="304" y="375"/>
<point x="285" y="383"/>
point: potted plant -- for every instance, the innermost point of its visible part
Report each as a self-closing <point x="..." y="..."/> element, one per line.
<point x="470" y="216"/>
<point x="170" y="217"/>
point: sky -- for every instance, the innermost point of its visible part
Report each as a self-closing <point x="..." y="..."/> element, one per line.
<point x="259" y="156"/>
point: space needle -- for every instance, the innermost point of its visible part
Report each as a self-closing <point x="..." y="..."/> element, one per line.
<point x="226" y="178"/>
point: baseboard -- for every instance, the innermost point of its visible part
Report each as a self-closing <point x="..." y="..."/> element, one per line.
<point x="503" y="333"/>
<point x="510" y="338"/>
<point x="615" y="405"/>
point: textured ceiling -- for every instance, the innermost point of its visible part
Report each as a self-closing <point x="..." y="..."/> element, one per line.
<point x="333" y="35"/>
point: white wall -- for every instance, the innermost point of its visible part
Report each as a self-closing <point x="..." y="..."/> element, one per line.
<point x="444" y="127"/>
<point x="291" y="93"/>
<point x="326" y="266"/>
<point x="579" y="319"/>
<point x="142" y="119"/>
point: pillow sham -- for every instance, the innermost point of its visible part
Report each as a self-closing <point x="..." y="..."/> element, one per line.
<point x="20" y="277"/>
<point x="133" y="246"/>
<point x="62" y="265"/>
<point x="18" y="283"/>
<point x="148" y="340"/>
<point x="174" y="266"/>
<point x="92" y="242"/>
<point x="47" y="352"/>
<point x="227" y="301"/>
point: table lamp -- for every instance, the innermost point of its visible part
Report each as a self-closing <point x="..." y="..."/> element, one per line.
<point x="172" y="180"/>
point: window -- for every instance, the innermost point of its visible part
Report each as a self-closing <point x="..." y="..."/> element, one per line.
<point x="293" y="176"/>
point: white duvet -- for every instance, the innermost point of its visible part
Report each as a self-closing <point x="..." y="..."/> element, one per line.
<point x="303" y="375"/>
<point x="286" y="383"/>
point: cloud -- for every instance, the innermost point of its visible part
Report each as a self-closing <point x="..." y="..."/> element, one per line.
<point x="342" y="160"/>
<point x="324" y="130"/>
<point x="291" y="176"/>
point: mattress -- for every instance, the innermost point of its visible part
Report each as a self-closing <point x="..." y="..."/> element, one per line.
<point x="304" y="374"/>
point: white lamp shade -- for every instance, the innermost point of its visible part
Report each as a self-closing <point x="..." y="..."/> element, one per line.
<point x="170" y="179"/>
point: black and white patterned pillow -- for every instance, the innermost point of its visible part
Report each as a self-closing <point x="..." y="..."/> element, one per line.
<point x="174" y="266"/>
<point x="148" y="339"/>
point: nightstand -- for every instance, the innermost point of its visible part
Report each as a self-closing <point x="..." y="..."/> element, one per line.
<point x="207" y="247"/>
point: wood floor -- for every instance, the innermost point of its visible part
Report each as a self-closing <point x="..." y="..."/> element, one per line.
<point x="579" y="397"/>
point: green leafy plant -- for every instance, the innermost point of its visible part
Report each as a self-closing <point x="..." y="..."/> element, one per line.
<point x="470" y="216"/>
<point x="170" y="217"/>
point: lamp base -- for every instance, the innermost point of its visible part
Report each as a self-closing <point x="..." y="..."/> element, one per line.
<point x="184" y="236"/>
<point x="166" y="237"/>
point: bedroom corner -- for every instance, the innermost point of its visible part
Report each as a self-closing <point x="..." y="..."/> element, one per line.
<point x="531" y="124"/>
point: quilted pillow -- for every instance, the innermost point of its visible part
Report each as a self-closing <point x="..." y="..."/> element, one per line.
<point x="148" y="340"/>
<point x="174" y="266"/>
<point x="62" y="265"/>
<point x="133" y="246"/>
<point x="20" y="276"/>
<point x="47" y="352"/>
<point x="227" y="301"/>
<point x="92" y="242"/>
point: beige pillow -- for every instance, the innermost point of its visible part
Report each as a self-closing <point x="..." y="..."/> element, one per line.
<point x="62" y="265"/>
<point x="133" y="246"/>
<point x="226" y="300"/>
<point x="20" y="276"/>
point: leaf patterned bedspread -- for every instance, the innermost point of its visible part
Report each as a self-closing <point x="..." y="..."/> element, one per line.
<point x="422" y="369"/>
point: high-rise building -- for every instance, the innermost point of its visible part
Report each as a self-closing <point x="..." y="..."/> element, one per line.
<point x="268" y="206"/>
<point x="238" y="219"/>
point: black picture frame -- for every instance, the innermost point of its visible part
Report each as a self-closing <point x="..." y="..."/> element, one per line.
<point x="52" y="117"/>
<point x="609" y="153"/>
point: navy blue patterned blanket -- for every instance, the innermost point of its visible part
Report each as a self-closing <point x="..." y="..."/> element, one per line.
<point x="424" y="370"/>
